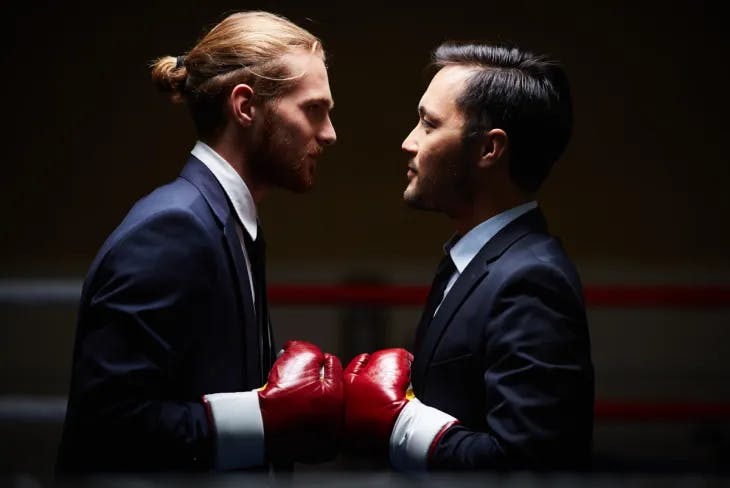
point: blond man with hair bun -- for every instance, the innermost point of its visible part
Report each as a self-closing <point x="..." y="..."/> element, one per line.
<point x="173" y="341"/>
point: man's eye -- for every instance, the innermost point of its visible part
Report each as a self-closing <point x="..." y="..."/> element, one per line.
<point x="427" y="124"/>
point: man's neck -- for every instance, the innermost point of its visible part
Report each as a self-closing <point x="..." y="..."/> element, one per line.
<point x="239" y="161"/>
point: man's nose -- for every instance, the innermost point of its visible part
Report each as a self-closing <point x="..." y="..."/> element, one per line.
<point x="327" y="136"/>
<point x="409" y="144"/>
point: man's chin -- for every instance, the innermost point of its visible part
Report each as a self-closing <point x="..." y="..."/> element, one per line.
<point x="295" y="182"/>
<point x="414" y="201"/>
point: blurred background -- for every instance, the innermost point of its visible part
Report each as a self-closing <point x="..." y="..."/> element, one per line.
<point x="639" y="198"/>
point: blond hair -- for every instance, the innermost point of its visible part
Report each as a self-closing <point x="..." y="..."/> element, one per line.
<point x="245" y="47"/>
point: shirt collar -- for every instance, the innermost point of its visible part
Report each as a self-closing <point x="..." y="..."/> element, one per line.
<point x="233" y="185"/>
<point x="463" y="250"/>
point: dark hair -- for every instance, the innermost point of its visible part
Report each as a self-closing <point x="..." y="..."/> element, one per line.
<point x="524" y="94"/>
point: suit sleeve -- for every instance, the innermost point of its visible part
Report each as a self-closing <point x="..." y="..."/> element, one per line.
<point x="538" y="380"/>
<point x="149" y="297"/>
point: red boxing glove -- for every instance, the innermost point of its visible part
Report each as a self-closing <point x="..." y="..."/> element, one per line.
<point x="381" y="412"/>
<point x="375" y="393"/>
<point x="301" y="405"/>
<point x="295" y="417"/>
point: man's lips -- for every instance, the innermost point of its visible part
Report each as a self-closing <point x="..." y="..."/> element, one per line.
<point x="315" y="154"/>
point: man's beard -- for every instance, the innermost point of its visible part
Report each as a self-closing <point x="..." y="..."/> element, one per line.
<point x="445" y="190"/>
<point x="278" y="162"/>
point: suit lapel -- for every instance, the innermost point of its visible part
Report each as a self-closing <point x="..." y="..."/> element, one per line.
<point x="249" y="324"/>
<point x="201" y="177"/>
<point x="473" y="274"/>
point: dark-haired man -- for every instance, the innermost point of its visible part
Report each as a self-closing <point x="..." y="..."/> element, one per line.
<point x="502" y="371"/>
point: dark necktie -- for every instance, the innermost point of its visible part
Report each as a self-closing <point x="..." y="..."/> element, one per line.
<point x="444" y="271"/>
<point x="256" y="251"/>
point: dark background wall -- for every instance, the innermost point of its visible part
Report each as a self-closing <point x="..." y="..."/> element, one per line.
<point x="643" y="180"/>
<point x="639" y="197"/>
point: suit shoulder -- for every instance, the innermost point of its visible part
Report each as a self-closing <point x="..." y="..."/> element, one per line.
<point x="539" y="249"/>
<point x="177" y="200"/>
<point x="174" y="212"/>
<point x="539" y="256"/>
<point x="177" y="196"/>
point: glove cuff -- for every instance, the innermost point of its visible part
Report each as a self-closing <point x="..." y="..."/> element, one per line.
<point x="239" y="429"/>
<point x="416" y="429"/>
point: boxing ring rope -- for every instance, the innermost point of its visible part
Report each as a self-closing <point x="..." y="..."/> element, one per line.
<point x="50" y="292"/>
<point x="614" y="296"/>
<point x="596" y="296"/>
<point x="55" y="292"/>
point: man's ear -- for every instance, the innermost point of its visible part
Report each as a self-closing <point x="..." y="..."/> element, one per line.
<point x="241" y="102"/>
<point x="494" y="147"/>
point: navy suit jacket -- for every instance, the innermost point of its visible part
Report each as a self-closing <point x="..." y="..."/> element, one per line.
<point x="508" y="354"/>
<point x="166" y="316"/>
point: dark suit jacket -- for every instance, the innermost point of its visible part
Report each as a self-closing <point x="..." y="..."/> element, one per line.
<point x="508" y="354"/>
<point x="165" y="317"/>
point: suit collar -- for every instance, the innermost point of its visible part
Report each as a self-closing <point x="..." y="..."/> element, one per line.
<point x="532" y="221"/>
<point x="463" y="250"/>
<point x="203" y="179"/>
<point x="233" y="185"/>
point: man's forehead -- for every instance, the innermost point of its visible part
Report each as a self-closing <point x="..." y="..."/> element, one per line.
<point x="445" y="87"/>
<point x="313" y="84"/>
<point x="451" y="79"/>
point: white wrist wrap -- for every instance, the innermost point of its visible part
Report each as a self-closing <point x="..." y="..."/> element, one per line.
<point x="415" y="429"/>
<point x="239" y="429"/>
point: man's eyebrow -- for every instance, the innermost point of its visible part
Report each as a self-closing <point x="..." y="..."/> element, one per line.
<point x="424" y="112"/>
<point x="328" y="102"/>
